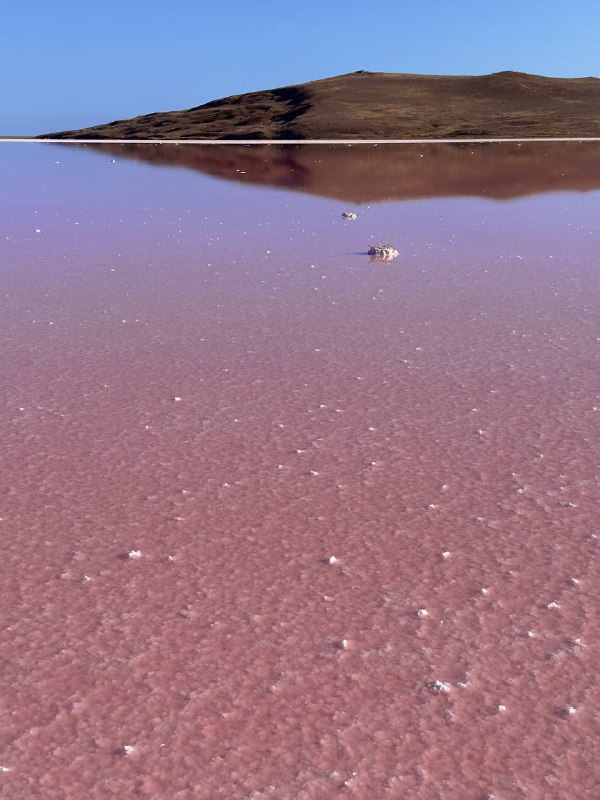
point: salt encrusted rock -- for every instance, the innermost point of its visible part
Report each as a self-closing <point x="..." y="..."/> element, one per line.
<point x="385" y="252"/>
<point x="349" y="215"/>
<point x="439" y="687"/>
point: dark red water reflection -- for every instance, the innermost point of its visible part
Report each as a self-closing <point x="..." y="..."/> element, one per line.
<point x="384" y="172"/>
<point x="208" y="392"/>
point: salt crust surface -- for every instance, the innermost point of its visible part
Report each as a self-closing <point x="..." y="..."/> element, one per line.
<point x="235" y="455"/>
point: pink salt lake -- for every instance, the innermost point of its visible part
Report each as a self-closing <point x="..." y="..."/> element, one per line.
<point x="208" y="391"/>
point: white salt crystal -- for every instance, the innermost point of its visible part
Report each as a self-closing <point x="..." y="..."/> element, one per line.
<point x="440" y="686"/>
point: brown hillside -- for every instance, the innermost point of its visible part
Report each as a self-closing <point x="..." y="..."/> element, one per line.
<point x="381" y="105"/>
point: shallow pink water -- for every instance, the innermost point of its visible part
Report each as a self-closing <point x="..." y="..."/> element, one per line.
<point x="216" y="376"/>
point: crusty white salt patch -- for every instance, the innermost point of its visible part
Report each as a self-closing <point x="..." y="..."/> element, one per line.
<point x="439" y="687"/>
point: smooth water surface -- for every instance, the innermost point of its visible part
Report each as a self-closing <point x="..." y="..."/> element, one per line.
<point x="209" y="390"/>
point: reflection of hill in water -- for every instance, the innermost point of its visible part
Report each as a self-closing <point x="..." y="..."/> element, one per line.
<point x="371" y="173"/>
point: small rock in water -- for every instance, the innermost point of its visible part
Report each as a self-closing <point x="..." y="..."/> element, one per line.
<point x="348" y="215"/>
<point x="383" y="252"/>
<point x="439" y="687"/>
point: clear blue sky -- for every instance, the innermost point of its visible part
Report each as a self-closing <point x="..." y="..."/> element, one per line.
<point x="71" y="63"/>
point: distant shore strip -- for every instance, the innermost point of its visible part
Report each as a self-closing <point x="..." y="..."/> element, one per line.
<point x="304" y="141"/>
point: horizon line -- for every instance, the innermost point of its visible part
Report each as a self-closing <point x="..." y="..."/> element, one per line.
<point x="302" y="141"/>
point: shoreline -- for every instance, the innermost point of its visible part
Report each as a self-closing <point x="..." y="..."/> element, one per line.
<point x="302" y="141"/>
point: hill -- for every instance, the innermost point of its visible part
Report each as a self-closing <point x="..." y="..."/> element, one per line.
<point x="381" y="105"/>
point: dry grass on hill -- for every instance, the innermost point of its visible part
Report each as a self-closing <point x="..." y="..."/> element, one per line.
<point x="381" y="105"/>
